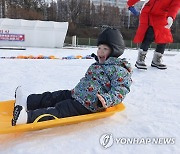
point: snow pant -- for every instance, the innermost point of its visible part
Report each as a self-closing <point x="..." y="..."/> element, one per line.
<point x="148" y="39"/>
<point x="59" y="103"/>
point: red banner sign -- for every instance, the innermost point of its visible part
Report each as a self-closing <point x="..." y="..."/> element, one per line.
<point x="12" y="37"/>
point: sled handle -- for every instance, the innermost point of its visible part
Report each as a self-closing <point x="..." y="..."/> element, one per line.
<point x="44" y="115"/>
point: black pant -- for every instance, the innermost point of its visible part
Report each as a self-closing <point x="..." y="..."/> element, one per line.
<point x="148" y="39"/>
<point x="58" y="103"/>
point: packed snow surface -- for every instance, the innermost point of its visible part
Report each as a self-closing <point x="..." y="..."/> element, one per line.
<point x="151" y="117"/>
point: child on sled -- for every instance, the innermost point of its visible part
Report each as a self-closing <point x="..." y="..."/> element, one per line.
<point x="105" y="84"/>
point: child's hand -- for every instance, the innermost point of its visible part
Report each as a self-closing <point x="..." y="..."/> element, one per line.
<point x="102" y="100"/>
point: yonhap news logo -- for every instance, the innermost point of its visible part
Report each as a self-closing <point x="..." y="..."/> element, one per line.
<point x="107" y="140"/>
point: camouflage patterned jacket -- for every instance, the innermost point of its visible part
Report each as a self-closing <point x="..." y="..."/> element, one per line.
<point x="111" y="80"/>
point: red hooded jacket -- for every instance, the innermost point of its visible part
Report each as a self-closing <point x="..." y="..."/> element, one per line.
<point x="155" y="14"/>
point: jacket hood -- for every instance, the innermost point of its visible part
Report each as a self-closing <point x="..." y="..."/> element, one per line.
<point x="118" y="61"/>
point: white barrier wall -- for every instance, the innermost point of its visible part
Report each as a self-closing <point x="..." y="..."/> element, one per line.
<point x="32" y="33"/>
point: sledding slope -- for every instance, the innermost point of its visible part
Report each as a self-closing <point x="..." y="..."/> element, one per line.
<point x="152" y="106"/>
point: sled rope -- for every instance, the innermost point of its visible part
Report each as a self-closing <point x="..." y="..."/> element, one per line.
<point x="44" y="115"/>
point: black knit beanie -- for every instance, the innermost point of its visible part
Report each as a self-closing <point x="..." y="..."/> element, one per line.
<point x="113" y="38"/>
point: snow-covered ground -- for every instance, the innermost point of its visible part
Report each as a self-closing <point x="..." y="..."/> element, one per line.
<point x="152" y="106"/>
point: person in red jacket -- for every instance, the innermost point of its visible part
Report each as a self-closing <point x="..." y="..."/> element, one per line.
<point x="155" y="21"/>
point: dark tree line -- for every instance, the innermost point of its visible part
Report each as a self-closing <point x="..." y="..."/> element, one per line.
<point x="84" y="17"/>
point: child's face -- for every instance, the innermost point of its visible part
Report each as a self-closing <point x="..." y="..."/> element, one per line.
<point x="103" y="52"/>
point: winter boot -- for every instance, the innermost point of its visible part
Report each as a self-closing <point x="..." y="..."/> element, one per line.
<point x="19" y="115"/>
<point x="157" y="61"/>
<point x="140" y="63"/>
<point x="21" y="99"/>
